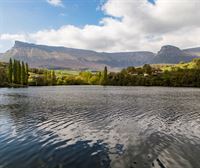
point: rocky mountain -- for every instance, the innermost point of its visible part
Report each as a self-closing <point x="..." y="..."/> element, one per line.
<point x="172" y="55"/>
<point x="62" y="57"/>
<point x="42" y="56"/>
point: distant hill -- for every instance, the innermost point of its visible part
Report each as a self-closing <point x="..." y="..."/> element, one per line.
<point x="172" y="55"/>
<point x="193" y="51"/>
<point x="42" y="56"/>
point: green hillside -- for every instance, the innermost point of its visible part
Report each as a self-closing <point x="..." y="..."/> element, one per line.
<point x="182" y="74"/>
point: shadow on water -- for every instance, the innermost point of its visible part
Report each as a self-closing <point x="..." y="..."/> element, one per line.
<point x="82" y="154"/>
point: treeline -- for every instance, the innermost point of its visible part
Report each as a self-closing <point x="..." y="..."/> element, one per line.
<point x="177" y="76"/>
<point x="44" y="77"/>
<point x="3" y="74"/>
<point x="17" y="73"/>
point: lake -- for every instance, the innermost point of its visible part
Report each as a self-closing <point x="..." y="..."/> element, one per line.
<point x="99" y="127"/>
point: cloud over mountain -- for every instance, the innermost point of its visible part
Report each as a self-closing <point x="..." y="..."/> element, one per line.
<point x="128" y="25"/>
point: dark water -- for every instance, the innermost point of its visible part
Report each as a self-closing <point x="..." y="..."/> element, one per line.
<point x="93" y="127"/>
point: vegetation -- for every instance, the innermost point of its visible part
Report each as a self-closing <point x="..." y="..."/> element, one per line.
<point x="182" y="75"/>
<point x="16" y="73"/>
<point x="43" y="77"/>
<point x="104" y="80"/>
<point x="13" y="74"/>
<point x="3" y="74"/>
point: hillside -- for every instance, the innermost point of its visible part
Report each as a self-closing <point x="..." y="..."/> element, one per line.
<point x="172" y="55"/>
<point x="42" y="56"/>
<point x="193" y="51"/>
<point x="194" y="64"/>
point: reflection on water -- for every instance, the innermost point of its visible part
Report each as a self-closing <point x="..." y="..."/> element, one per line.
<point x="94" y="126"/>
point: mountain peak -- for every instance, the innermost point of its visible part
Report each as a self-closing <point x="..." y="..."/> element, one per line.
<point x="19" y="44"/>
<point x="169" y="47"/>
<point x="169" y="50"/>
<point x="171" y="55"/>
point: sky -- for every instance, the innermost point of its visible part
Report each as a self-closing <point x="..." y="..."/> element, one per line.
<point x="101" y="25"/>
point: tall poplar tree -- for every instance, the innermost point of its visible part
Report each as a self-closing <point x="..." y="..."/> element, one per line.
<point x="18" y="72"/>
<point x="27" y="74"/>
<point x="10" y="71"/>
<point x="15" y="71"/>
<point x="23" y="74"/>
<point x="104" y="80"/>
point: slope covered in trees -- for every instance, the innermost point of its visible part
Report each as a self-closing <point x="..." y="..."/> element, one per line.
<point x="17" y="73"/>
<point x="182" y="75"/>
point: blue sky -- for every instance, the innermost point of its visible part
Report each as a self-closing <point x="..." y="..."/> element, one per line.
<point x="26" y="16"/>
<point x="41" y="21"/>
<point x="33" y="15"/>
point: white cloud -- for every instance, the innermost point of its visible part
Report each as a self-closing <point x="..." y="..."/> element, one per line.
<point x="55" y="2"/>
<point x="11" y="37"/>
<point x="128" y="25"/>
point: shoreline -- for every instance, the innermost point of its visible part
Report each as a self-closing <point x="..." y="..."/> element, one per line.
<point x="101" y="86"/>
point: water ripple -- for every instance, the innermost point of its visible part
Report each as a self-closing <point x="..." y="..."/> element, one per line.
<point x="93" y="126"/>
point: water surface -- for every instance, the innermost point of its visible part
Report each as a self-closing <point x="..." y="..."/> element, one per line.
<point x="103" y="127"/>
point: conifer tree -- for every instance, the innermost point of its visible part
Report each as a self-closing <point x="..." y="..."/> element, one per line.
<point x="23" y="74"/>
<point x="105" y="76"/>
<point x="10" y="71"/>
<point x="18" y="72"/>
<point x="15" y="71"/>
<point x="27" y="74"/>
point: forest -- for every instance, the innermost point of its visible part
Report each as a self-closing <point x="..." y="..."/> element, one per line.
<point x="18" y="74"/>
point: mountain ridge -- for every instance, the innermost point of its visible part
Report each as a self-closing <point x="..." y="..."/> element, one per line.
<point x="44" y="56"/>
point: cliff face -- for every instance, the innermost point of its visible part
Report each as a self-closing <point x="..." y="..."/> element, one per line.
<point x="43" y="56"/>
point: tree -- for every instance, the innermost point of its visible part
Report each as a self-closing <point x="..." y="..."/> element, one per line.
<point x="23" y="74"/>
<point x="86" y="75"/>
<point x="27" y="74"/>
<point x="53" y="78"/>
<point x="10" y="71"/>
<point x="49" y="77"/>
<point x="99" y="76"/>
<point x="147" y="69"/>
<point x="3" y="75"/>
<point x="197" y="63"/>
<point x="18" y="72"/>
<point x="105" y="76"/>
<point x="131" y="70"/>
<point x="45" y="77"/>
<point x="15" y="71"/>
